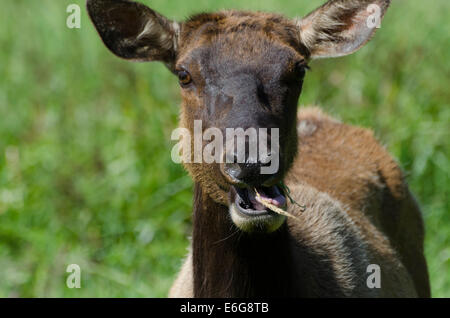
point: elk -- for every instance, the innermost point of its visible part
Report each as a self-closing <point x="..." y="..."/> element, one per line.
<point x="246" y="69"/>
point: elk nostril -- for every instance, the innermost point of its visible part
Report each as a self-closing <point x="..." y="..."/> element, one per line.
<point x="233" y="170"/>
<point x="265" y="160"/>
<point x="245" y="174"/>
<point x="233" y="173"/>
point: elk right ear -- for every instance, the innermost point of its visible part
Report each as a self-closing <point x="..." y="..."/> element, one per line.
<point x="133" y="31"/>
<point x="340" y="27"/>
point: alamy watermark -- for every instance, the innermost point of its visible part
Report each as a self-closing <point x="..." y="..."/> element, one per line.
<point x="74" y="19"/>
<point x="237" y="146"/>
<point x="374" y="279"/>
<point x="74" y="279"/>
<point x="374" y="19"/>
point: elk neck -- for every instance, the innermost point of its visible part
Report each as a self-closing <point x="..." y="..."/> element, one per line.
<point x="231" y="263"/>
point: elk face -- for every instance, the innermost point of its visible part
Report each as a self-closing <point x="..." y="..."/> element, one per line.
<point x="238" y="70"/>
<point x="243" y="76"/>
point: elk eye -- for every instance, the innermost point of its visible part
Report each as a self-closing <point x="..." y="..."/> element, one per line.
<point x="184" y="77"/>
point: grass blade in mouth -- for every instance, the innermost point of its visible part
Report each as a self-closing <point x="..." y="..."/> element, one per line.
<point x="273" y="207"/>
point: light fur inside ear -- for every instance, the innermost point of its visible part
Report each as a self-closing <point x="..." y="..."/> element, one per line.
<point x="341" y="27"/>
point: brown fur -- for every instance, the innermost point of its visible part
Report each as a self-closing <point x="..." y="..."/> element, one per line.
<point x="350" y="165"/>
<point x="247" y="70"/>
<point x="359" y="212"/>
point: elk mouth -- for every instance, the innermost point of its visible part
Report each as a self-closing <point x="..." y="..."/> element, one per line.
<point x="249" y="204"/>
<point x="250" y="215"/>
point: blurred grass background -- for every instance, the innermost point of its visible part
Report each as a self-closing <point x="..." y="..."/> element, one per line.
<point x="85" y="169"/>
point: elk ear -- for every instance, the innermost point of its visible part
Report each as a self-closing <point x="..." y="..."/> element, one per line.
<point x="133" y="31"/>
<point x="340" y="27"/>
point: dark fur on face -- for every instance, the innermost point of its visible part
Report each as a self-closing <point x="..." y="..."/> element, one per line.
<point x="247" y="72"/>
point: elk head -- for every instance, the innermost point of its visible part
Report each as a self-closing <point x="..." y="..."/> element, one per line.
<point x="239" y="70"/>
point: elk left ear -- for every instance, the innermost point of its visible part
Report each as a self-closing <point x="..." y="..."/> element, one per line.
<point x="341" y="27"/>
<point x="133" y="31"/>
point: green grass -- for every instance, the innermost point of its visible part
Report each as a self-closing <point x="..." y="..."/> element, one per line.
<point x="85" y="169"/>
